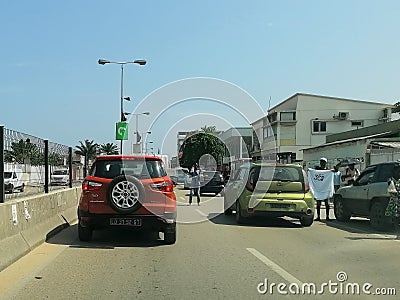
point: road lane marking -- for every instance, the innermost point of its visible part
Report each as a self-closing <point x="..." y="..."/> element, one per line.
<point x="276" y="268"/>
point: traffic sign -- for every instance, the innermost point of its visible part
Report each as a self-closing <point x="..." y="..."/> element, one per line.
<point x="121" y="132"/>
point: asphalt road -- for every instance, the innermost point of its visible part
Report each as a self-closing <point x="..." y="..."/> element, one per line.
<point x="214" y="258"/>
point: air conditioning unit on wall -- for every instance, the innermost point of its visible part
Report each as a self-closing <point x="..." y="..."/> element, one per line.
<point x="343" y="115"/>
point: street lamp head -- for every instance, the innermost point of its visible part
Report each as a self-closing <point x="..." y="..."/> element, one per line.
<point x="146" y="113"/>
<point x="127" y="98"/>
<point x="140" y="62"/>
<point x="103" y="61"/>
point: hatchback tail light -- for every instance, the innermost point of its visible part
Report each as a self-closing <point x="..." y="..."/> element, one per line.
<point x="90" y="185"/>
<point x="165" y="187"/>
<point x="252" y="180"/>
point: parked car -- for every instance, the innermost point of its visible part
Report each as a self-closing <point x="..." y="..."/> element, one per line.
<point x="127" y="192"/>
<point x="269" y="190"/>
<point x="211" y="182"/>
<point x="13" y="181"/>
<point x="59" y="177"/>
<point x="367" y="196"/>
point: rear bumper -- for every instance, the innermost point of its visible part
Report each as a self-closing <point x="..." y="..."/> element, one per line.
<point x="164" y="223"/>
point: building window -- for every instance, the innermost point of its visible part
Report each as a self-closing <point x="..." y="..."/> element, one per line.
<point x="268" y="132"/>
<point x="319" y="126"/>
<point x="288" y="116"/>
<point x="357" y="123"/>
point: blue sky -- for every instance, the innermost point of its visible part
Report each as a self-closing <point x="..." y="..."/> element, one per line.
<point x="52" y="87"/>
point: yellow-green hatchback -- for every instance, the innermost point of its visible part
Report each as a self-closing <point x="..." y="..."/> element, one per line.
<point x="269" y="190"/>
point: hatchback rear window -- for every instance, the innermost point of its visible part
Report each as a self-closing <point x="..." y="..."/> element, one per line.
<point x="280" y="173"/>
<point x="139" y="168"/>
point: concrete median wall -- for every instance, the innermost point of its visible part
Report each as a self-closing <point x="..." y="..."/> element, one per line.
<point x="25" y="223"/>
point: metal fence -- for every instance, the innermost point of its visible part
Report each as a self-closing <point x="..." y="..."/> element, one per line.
<point x="31" y="165"/>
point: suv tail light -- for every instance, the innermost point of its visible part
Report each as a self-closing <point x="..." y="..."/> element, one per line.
<point x="90" y="185"/>
<point x="165" y="187"/>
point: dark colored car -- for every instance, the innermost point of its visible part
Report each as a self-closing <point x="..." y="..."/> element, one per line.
<point x="127" y="192"/>
<point x="211" y="182"/>
<point x="367" y="197"/>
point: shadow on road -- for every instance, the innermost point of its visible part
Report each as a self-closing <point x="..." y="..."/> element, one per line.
<point x="359" y="225"/>
<point x="107" y="239"/>
<point x="255" y="222"/>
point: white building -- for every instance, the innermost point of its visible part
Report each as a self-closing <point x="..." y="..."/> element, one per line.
<point x="304" y="120"/>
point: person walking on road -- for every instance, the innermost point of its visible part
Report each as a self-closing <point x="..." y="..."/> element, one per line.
<point x="195" y="183"/>
<point x="393" y="208"/>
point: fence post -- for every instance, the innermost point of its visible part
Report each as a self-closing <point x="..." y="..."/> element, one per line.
<point x="70" y="166"/>
<point x="46" y="166"/>
<point x="2" y="196"/>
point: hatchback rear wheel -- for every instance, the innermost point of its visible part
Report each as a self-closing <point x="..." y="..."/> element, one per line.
<point x="239" y="218"/>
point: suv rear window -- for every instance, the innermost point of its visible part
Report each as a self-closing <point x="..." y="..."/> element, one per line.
<point x="141" y="169"/>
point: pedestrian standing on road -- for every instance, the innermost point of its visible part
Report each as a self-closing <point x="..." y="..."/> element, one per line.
<point x="325" y="183"/>
<point x="393" y="208"/>
<point x="195" y="183"/>
<point x="337" y="177"/>
<point x="351" y="174"/>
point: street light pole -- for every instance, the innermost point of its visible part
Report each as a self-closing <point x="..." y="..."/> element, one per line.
<point x="140" y="62"/>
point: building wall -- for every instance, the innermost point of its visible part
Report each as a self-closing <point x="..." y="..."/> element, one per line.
<point x="298" y="134"/>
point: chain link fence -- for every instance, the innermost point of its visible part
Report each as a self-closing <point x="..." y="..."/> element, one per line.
<point x="31" y="165"/>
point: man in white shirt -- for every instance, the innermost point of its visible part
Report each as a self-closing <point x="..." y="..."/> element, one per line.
<point x="321" y="184"/>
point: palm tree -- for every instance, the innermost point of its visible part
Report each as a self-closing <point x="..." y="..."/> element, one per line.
<point x="209" y="129"/>
<point x="88" y="149"/>
<point x="108" y="149"/>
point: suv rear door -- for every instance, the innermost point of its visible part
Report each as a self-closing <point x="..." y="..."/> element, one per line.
<point x="357" y="198"/>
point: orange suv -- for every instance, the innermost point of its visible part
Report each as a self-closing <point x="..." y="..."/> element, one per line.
<point x="127" y="192"/>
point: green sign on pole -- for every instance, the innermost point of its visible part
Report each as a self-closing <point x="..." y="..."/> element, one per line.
<point x="121" y="132"/>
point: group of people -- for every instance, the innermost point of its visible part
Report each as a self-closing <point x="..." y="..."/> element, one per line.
<point x="323" y="187"/>
<point x="323" y="192"/>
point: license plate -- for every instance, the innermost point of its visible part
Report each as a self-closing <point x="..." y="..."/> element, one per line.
<point x="126" y="222"/>
<point x="280" y="205"/>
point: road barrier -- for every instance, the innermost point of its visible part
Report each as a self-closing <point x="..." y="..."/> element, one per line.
<point x="26" y="223"/>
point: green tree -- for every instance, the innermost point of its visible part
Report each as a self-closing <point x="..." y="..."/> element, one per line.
<point x="56" y="159"/>
<point x="88" y="149"/>
<point x="198" y="145"/>
<point x="108" y="149"/>
<point x="24" y="152"/>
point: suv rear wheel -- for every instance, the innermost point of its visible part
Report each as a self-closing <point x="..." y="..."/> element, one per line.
<point x="170" y="236"/>
<point x="125" y="194"/>
<point x="377" y="216"/>
<point x="340" y="210"/>
<point x="84" y="233"/>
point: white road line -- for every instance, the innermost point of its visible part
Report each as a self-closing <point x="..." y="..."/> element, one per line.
<point x="201" y="213"/>
<point x="182" y="198"/>
<point x="277" y="269"/>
